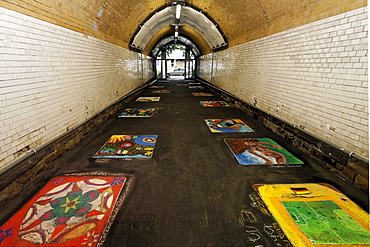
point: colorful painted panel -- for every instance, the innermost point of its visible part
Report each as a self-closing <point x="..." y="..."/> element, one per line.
<point x="261" y="151"/>
<point x="134" y="112"/>
<point x="68" y="211"/>
<point x="214" y="104"/>
<point x="156" y="87"/>
<point x="196" y="87"/>
<point x="161" y="91"/>
<point x="194" y="83"/>
<point x="128" y="146"/>
<point x="202" y="94"/>
<point x="320" y="217"/>
<point x="148" y="99"/>
<point x="227" y="125"/>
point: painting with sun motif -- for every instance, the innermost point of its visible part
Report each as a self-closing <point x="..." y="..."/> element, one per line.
<point x="128" y="146"/>
<point x="227" y="125"/>
<point x="71" y="210"/>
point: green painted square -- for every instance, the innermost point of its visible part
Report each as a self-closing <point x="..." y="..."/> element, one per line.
<point x="324" y="222"/>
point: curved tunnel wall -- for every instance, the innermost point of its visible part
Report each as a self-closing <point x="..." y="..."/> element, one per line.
<point x="313" y="76"/>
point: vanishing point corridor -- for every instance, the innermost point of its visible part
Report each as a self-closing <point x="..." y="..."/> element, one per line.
<point x="184" y="123"/>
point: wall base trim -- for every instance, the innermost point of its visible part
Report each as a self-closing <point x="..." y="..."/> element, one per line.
<point x="339" y="161"/>
<point x="14" y="178"/>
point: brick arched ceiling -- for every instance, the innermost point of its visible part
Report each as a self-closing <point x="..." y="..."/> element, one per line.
<point x="117" y="21"/>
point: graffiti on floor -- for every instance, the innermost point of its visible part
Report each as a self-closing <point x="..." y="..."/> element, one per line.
<point x="128" y="146"/>
<point x="214" y="104"/>
<point x="161" y="91"/>
<point x="196" y="87"/>
<point x="156" y="87"/>
<point x="262" y="230"/>
<point x="134" y="112"/>
<point x="316" y="215"/>
<point x="70" y="210"/>
<point x="202" y="94"/>
<point x="227" y="125"/>
<point x="260" y="151"/>
<point x="148" y="99"/>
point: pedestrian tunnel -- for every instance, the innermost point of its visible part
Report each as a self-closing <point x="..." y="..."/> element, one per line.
<point x="184" y="123"/>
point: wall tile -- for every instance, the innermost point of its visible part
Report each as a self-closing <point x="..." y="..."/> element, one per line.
<point x="53" y="78"/>
<point x="314" y="75"/>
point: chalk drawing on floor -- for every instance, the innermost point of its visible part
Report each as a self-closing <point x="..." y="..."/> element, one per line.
<point x="148" y="99"/>
<point x="156" y="86"/>
<point x="214" y="103"/>
<point x="128" y="146"/>
<point x="260" y="151"/>
<point x="135" y="112"/>
<point x="196" y="87"/>
<point x="316" y="215"/>
<point x="227" y="125"/>
<point x="161" y="91"/>
<point x="202" y="94"/>
<point x="70" y="210"/>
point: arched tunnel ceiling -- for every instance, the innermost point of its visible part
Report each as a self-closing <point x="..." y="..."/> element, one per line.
<point x="189" y="17"/>
<point x="171" y="40"/>
<point x="240" y="21"/>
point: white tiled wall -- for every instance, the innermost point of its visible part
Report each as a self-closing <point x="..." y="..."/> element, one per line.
<point x="53" y="79"/>
<point x="313" y="76"/>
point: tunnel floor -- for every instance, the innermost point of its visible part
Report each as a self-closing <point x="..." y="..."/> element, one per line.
<point x="190" y="190"/>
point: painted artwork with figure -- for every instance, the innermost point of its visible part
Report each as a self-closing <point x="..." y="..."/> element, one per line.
<point x="260" y="151"/>
<point x="67" y="211"/>
<point x="128" y="146"/>
<point x="227" y="125"/>
<point x="316" y="215"/>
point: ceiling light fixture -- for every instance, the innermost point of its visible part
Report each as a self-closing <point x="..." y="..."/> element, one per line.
<point x="178" y="11"/>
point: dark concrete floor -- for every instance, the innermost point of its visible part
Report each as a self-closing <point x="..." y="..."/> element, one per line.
<point x="192" y="191"/>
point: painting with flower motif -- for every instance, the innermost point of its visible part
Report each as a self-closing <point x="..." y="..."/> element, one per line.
<point x="71" y="210"/>
<point x="227" y="125"/>
<point x="214" y="104"/>
<point x="128" y="146"/>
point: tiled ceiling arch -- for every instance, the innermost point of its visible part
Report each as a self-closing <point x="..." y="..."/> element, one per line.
<point x="189" y="17"/>
<point x="240" y="21"/>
